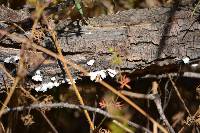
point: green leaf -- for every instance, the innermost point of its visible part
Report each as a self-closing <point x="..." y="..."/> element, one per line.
<point x="111" y="50"/>
<point x="78" y="7"/>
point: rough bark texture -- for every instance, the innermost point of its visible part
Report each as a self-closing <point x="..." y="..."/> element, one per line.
<point x="145" y="39"/>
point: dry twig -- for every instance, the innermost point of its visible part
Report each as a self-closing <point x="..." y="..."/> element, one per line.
<point x="179" y="95"/>
<point x="32" y="97"/>
<point x="157" y="101"/>
<point x="57" y="44"/>
<point x="73" y="106"/>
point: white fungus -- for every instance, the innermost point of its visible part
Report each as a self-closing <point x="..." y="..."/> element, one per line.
<point x="63" y="81"/>
<point x="12" y="59"/>
<point x="186" y="60"/>
<point x="89" y="33"/>
<point x="69" y="82"/>
<point x="194" y="65"/>
<point x="112" y="72"/>
<point x="37" y="76"/>
<point x="42" y="88"/>
<point x="101" y="73"/>
<point x="46" y="86"/>
<point x="90" y="62"/>
<point x="93" y="75"/>
<point x="56" y="84"/>
<point x="53" y="79"/>
<point x="38" y="72"/>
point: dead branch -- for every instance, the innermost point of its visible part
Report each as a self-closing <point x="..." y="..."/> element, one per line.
<point x="135" y="35"/>
<point x="73" y="106"/>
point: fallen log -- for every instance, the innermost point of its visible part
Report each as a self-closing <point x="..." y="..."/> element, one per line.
<point x="144" y="40"/>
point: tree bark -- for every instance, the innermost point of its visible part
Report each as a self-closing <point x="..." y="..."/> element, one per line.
<point x="144" y="39"/>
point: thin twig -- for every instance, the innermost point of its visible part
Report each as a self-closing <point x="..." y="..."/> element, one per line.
<point x="122" y="126"/>
<point x="132" y="104"/>
<point x="42" y="113"/>
<point x="16" y="81"/>
<point x="179" y="95"/>
<point x="155" y="128"/>
<point x="157" y="101"/>
<point x="73" y="106"/>
<point x="195" y="116"/>
<point x="6" y="72"/>
<point x="57" y="44"/>
<point x="173" y="74"/>
<point x="138" y="95"/>
<point x="32" y="97"/>
<point x="5" y="103"/>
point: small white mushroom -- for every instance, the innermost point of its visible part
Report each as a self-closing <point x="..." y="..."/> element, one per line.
<point x="101" y="73"/>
